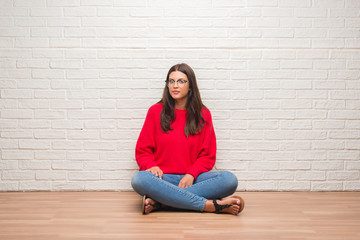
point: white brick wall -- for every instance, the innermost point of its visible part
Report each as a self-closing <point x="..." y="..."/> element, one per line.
<point x="281" y="78"/>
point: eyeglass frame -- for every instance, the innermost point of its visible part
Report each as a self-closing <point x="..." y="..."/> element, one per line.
<point x="180" y="82"/>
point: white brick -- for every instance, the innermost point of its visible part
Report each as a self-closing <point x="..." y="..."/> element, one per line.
<point x="34" y="83"/>
<point x="116" y="175"/>
<point x="328" y="145"/>
<point x="352" y="165"/>
<point x="33" y="104"/>
<point x="344" y="12"/>
<point x="45" y="12"/>
<point x="295" y="165"/>
<point x="66" y="104"/>
<point x="262" y="22"/>
<point x="34" y="144"/>
<point x="100" y="145"/>
<point x="262" y="185"/>
<point x="48" y="114"/>
<point x="310" y="12"/>
<point x="294" y="84"/>
<point x="326" y="186"/>
<point x="277" y="175"/>
<point x="326" y="104"/>
<point x="18" y="134"/>
<point x="9" y="186"/>
<point x="50" y="155"/>
<point x="83" y="114"/>
<point x="312" y="94"/>
<point x="247" y="135"/>
<point x="277" y="12"/>
<point x="296" y="104"/>
<point x="102" y="186"/>
<point x="17" y="113"/>
<point x="329" y="3"/>
<point x="18" y="175"/>
<point x="67" y="124"/>
<point x="328" y="165"/>
<point x="68" y="186"/>
<point x="277" y="156"/>
<point x="263" y="146"/>
<point x="65" y="43"/>
<point x="351" y="186"/>
<point x="279" y="135"/>
<point x="353" y="144"/>
<point x="34" y="165"/>
<point x="325" y="43"/>
<point x="294" y="186"/>
<point x="8" y="164"/>
<point x="311" y="155"/>
<point x="50" y="175"/>
<point x="343" y="155"/>
<point x="253" y="166"/>
<point x="314" y="175"/>
<point x="67" y="145"/>
<point x="344" y="114"/>
<point x="311" y="114"/>
<point x="292" y="146"/>
<point x="341" y="175"/>
<point x="74" y="155"/>
<point x="328" y="124"/>
<point x="17" y="154"/>
<point x="49" y="134"/>
<point x="349" y="124"/>
<point x="67" y="165"/>
<point x="329" y="85"/>
<point x="84" y="176"/>
<point x="323" y="23"/>
<point x="9" y="143"/>
<point x="83" y="134"/>
<point x="17" y="93"/>
<point x="279" y="94"/>
<point x="34" y="186"/>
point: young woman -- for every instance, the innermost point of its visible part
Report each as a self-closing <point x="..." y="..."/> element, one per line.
<point x="176" y="150"/>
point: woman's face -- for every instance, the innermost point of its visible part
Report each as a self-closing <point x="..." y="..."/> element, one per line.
<point x="178" y="87"/>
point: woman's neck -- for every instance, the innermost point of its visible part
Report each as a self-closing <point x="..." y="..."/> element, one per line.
<point x="180" y="105"/>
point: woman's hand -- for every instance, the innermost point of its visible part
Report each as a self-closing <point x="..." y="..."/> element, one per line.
<point x="186" y="181"/>
<point x="156" y="171"/>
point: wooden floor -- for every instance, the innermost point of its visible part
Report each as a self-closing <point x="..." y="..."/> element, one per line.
<point x="116" y="215"/>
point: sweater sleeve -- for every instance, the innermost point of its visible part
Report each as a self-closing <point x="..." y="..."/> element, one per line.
<point x="145" y="146"/>
<point x="207" y="156"/>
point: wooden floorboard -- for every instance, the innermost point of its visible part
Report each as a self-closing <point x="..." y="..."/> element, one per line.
<point x="116" y="215"/>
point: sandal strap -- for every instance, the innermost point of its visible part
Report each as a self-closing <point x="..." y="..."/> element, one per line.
<point x="219" y="207"/>
<point x="156" y="205"/>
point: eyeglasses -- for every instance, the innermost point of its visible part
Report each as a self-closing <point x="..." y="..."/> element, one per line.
<point x="180" y="82"/>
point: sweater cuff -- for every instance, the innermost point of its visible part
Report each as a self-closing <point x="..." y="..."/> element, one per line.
<point x="194" y="173"/>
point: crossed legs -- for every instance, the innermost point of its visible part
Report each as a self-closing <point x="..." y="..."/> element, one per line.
<point x="198" y="197"/>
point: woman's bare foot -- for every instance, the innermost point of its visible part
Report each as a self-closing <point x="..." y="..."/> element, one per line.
<point x="151" y="205"/>
<point x="235" y="205"/>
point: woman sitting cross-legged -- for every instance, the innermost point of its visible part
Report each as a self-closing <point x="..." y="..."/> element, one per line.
<point x="176" y="150"/>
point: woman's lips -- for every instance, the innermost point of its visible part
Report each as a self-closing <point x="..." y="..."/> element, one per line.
<point x="176" y="92"/>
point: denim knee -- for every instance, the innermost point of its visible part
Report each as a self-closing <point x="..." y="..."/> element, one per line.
<point x="138" y="180"/>
<point x="231" y="180"/>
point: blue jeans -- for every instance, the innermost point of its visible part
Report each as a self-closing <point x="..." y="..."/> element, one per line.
<point x="208" y="185"/>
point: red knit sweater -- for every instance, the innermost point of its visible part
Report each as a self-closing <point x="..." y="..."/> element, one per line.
<point x="172" y="151"/>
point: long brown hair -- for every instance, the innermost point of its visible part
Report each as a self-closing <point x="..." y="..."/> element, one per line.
<point x="194" y="120"/>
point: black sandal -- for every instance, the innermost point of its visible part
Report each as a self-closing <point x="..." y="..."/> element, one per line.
<point x="218" y="207"/>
